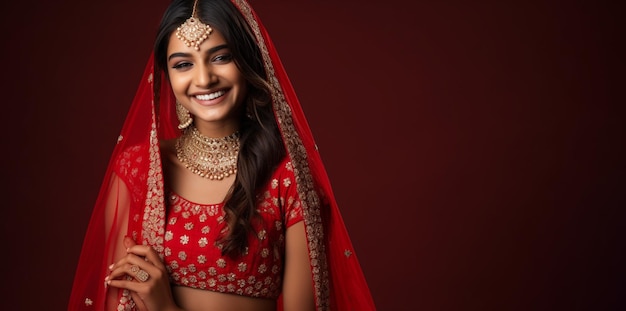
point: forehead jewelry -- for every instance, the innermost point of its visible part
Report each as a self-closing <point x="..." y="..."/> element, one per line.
<point x="193" y="32"/>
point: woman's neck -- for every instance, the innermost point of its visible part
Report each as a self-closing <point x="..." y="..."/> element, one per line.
<point x="217" y="130"/>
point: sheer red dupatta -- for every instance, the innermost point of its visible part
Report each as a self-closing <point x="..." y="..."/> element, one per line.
<point x="339" y="281"/>
<point x="131" y="199"/>
<point x="130" y="202"/>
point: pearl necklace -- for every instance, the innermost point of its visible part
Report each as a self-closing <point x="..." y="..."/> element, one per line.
<point x="212" y="158"/>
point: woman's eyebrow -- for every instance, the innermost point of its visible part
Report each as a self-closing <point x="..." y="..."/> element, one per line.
<point x="209" y="51"/>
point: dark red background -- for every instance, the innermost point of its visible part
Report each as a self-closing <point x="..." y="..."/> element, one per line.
<point x="475" y="148"/>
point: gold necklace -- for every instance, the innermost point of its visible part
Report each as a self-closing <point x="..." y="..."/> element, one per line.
<point x="212" y="158"/>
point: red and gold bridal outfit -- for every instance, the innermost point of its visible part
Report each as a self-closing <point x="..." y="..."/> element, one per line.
<point x="133" y="202"/>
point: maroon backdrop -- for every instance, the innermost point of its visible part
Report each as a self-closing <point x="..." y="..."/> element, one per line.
<point x="475" y="149"/>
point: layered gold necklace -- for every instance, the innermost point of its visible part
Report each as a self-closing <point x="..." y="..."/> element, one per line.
<point x="212" y="158"/>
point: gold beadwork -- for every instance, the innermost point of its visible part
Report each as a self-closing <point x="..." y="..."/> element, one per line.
<point x="184" y="118"/>
<point x="193" y="32"/>
<point x="212" y="158"/>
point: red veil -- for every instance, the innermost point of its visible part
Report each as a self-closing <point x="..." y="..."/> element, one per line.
<point x="135" y="206"/>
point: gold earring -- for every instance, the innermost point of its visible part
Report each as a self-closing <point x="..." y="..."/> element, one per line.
<point x="184" y="117"/>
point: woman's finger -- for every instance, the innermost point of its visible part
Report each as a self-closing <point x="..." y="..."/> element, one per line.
<point x="129" y="258"/>
<point x="148" y="253"/>
<point x="134" y="266"/>
<point x="125" y="284"/>
<point x="128" y="269"/>
<point x="141" y="306"/>
<point x="129" y="242"/>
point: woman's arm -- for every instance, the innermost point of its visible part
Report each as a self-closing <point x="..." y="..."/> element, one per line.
<point x="116" y="222"/>
<point x="298" y="283"/>
<point x="155" y="292"/>
<point x="152" y="293"/>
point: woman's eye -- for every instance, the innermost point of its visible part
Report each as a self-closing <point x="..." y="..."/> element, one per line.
<point x="181" y="65"/>
<point x="223" y="58"/>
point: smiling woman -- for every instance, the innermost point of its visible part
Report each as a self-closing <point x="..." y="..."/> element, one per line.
<point x="207" y="83"/>
<point x="216" y="197"/>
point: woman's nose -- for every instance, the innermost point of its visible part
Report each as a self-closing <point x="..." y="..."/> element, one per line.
<point x="203" y="76"/>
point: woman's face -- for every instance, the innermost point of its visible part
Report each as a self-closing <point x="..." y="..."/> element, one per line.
<point x="207" y="82"/>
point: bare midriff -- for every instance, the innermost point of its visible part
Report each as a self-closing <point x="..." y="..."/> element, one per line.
<point x="191" y="299"/>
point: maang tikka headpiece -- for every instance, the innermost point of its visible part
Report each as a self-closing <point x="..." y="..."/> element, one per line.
<point x="193" y="32"/>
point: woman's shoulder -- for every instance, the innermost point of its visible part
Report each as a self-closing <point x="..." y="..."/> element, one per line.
<point x="131" y="163"/>
<point x="137" y="153"/>
<point x="284" y="167"/>
<point x="132" y="155"/>
<point x="283" y="176"/>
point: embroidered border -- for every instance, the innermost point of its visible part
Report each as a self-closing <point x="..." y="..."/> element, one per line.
<point x="153" y="223"/>
<point x="305" y="185"/>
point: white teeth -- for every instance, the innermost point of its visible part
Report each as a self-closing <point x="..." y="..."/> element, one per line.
<point x="210" y="96"/>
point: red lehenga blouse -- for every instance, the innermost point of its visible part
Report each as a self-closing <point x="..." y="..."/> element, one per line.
<point x="133" y="202"/>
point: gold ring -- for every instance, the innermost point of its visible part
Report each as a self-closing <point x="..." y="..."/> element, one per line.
<point x="134" y="268"/>
<point x="142" y="275"/>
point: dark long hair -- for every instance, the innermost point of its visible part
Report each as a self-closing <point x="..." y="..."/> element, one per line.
<point x="261" y="146"/>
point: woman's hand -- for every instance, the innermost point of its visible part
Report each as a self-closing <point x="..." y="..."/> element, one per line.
<point x="142" y="272"/>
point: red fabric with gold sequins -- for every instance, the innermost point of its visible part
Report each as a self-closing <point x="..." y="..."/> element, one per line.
<point x="194" y="259"/>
